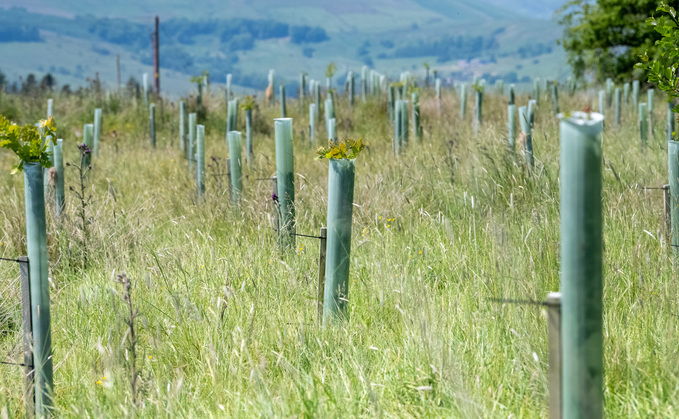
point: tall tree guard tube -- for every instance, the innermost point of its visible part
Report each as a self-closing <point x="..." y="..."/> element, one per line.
<point x="182" y="127"/>
<point x="36" y="239"/>
<point x="670" y="121"/>
<point x="527" y="131"/>
<point x="97" y="131"/>
<point x="192" y="139"/>
<point x="511" y="120"/>
<point x="59" y="194"/>
<point x="581" y="265"/>
<point x="312" y="123"/>
<point x="249" y="153"/>
<point x="50" y="108"/>
<point x="463" y="100"/>
<point x="478" y="108"/>
<point x="417" y="130"/>
<point x="200" y="161"/>
<point x="635" y="93"/>
<point x="650" y="93"/>
<point x="397" y="127"/>
<point x="404" y="123"/>
<point x="555" y="98"/>
<point x="625" y="90"/>
<point x="618" y="107"/>
<point x="236" y="165"/>
<point x="286" y="185"/>
<point x="332" y="129"/>
<point x="602" y="100"/>
<point x="338" y="245"/>
<point x="391" y="99"/>
<point x="643" y="123"/>
<point x="152" y="124"/>
<point x="350" y="80"/>
<point x="673" y="171"/>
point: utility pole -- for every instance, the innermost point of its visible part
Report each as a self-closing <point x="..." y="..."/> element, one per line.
<point x="156" y="61"/>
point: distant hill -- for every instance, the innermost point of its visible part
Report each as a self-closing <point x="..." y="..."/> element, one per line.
<point x="74" y="39"/>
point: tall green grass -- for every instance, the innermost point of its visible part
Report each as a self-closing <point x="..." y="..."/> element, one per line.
<point x="228" y="324"/>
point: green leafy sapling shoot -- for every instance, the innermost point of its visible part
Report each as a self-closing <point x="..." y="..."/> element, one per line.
<point x="28" y="142"/>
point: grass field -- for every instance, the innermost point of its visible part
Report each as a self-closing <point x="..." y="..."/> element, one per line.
<point x="228" y="323"/>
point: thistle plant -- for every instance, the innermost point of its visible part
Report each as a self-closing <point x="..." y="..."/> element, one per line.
<point x="27" y="142"/>
<point x="343" y="149"/>
<point x="83" y="196"/>
<point x="131" y="336"/>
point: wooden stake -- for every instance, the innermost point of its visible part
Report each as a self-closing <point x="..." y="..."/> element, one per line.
<point x="321" y="273"/>
<point x="26" y="321"/>
<point x="554" y="333"/>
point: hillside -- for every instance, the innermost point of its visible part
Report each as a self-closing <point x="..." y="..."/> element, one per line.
<point x="458" y="38"/>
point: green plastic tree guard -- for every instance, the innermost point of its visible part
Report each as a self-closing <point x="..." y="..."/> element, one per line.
<point x="145" y="87"/>
<point x="670" y="121"/>
<point x="286" y="183"/>
<point x="312" y="123"/>
<point x="626" y="92"/>
<point x="602" y="100"/>
<point x="282" y="94"/>
<point x="391" y="100"/>
<point x="651" y="120"/>
<point x="350" y="79"/>
<point x="182" y="127"/>
<point x="192" y="139"/>
<point x="618" y="107"/>
<point x="36" y="240"/>
<point x="249" y="148"/>
<point x="59" y="195"/>
<point x="97" y="131"/>
<point x="555" y="98"/>
<point x="417" y="129"/>
<point x="236" y="165"/>
<point x="609" y="92"/>
<point x="437" y="88"/>
<point x="338" y="243"/>
<point x="332" y="129"/>
<point x="673" y="172"/>
<point x="643" y="123"/>
<point x="463" y="100"/>
<point x="404" y="123"/>
<point x="152" y="124"/>
<point x="317" y="96"/>
<point x="50" y="107"/>
<point x="227" y="93"/>
<point x="581" y="265"/>
<point x="397" y="127"/>
<point x="364" y="83"/>
<point x="478" y="110"/>
<point x="532" y="104"/>
<point x="635" y="93"/>
<point x="511" y="126"/>
<point x="88" y="138"/>
<point x="229" y="117"/>
<point x="200" y="161"/>
<point x="524" y="120"/>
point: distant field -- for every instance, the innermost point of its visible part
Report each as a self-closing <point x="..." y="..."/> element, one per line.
<point x="359" y="34"/>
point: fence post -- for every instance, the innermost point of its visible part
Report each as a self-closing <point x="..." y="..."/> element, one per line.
<point x="200" y="161"/>
<point x="555" y="367"/>
<point x="59" y="195"/>
<point x="26" y="320"/>
<point x="182" y="127"/>
<point x="192" y="139"/>
<point x="321" y="274"/>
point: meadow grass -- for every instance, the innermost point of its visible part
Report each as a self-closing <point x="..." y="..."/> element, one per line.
<point x="227" y="324"/>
